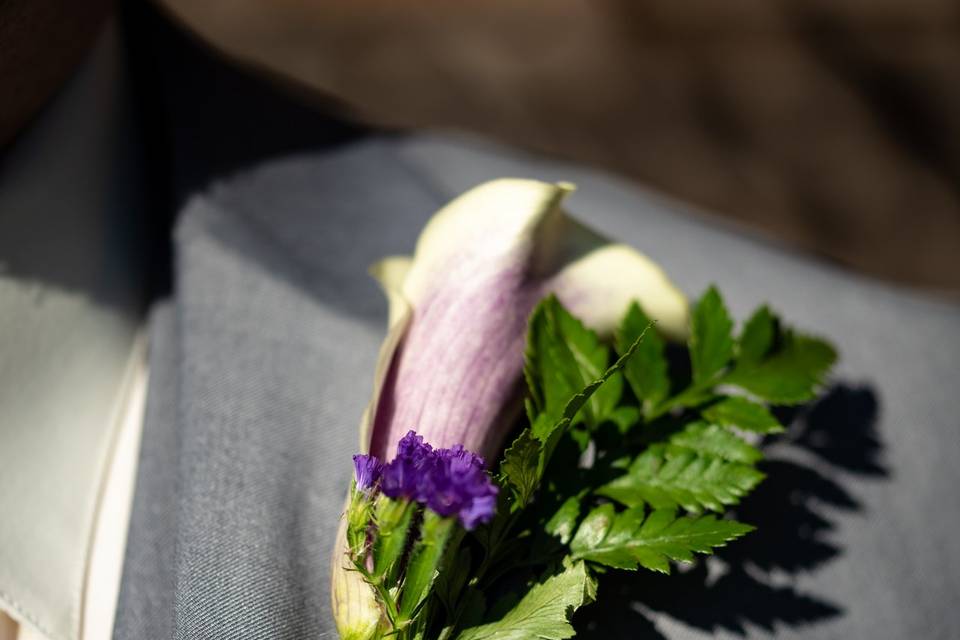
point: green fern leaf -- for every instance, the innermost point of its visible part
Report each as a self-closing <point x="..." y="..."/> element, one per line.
<point x="632" y="539"/>
<point x="666" y="477"/>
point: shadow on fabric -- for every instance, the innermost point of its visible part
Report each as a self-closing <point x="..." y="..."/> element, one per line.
<point x="794" y="511"/>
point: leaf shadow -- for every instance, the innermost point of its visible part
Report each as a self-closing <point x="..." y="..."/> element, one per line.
<point x="795" y="510"/>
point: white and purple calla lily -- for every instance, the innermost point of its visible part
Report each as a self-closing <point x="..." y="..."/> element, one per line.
<point x="451" y="364"/>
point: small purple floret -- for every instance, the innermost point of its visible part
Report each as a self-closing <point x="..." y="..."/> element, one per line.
<point x="367" y="471"/>
<point x="448" y="481"/>
<point x="412" y="448"/>
<point x="405" y="475"/>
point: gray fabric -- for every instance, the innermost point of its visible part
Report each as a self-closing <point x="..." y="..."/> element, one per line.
<point x="145" y="602"/>
<point x="276" y="326"/>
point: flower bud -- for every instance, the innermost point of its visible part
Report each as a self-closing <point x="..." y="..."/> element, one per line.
<point x="356" y="612"/>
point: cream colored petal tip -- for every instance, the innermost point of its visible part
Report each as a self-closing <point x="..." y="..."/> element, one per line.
<point x="391" y="273"/>
<point x="602" y="284"/>
<point x="487" y="222"/>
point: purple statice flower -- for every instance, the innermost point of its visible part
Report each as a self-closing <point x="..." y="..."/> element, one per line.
<point x="460" y="485"/>
<point x="413" y="449"/>
<point x="451" y="482"/>
<point x="406" y="474"/>
<point x="480" y="509"/>
<point x="367" y="471"/>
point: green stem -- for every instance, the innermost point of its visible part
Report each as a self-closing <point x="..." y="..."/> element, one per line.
<point x="685" y="398"/>
<point x="423" y="564"/>
<point x="478" y="576"/>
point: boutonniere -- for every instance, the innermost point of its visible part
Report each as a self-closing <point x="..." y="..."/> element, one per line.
<point x="528" y="432"/>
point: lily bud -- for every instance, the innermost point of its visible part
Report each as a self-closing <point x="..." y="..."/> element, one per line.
<point x="355" y="609"/>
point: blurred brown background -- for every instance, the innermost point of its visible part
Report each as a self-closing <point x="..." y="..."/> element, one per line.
<point x="831" y="124"/>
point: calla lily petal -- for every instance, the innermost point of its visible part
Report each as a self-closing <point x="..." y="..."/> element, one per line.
<point x="390" y="273"/>
<point x="453" y="359"/>
<point x="599" y="286"/>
